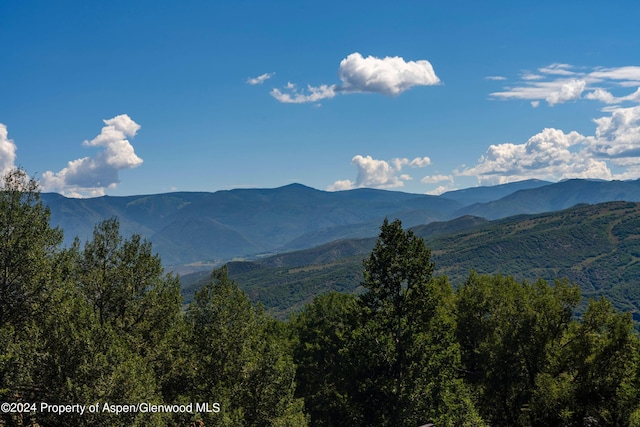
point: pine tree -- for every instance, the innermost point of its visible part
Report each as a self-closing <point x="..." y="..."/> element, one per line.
<point x="404" y="348"/>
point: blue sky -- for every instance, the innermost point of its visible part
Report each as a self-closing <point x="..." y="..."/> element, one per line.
<point x="143" y="97"/>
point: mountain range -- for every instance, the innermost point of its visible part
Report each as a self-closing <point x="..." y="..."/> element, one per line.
<point x="195" y="230"/>
<point x="595" y="246"/>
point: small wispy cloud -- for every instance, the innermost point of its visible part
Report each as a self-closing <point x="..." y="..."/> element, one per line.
<point x="554" y="92"/>
<point x="607" y="97"/>
<point x="434" y="179"/>
<point x="561" y="83"/>
<point x="496" y="78"/>
<point x="440" y="189"/>
<point x="387" y="76"/>
<point x="260" y="79"/>
<point x="420" y="162"/>
<point x="312" y="94"/>
<point x="531" y="76"/>
<point x="558" y="69"/>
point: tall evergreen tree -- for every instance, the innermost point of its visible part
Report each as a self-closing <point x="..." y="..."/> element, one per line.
<point x="404" y="348"/>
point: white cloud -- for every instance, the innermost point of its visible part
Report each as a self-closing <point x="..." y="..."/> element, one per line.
<point x="629" y="75"/>
<point x="439" y="190"/>
<point x="558" y="69"/>
<point x="260" y="79"/>
<point x="434" y="179"/>
<point x="634" y="97"/>
<point x="531" y="76"/>
<point x="90" y="176"/>
<point x="607" y="97"/>
<point x="612" y="152"/>
<point x="560" y="83"/>
<point x="496" y="78"/>
<point x="617" y="136"/>
<point x="7" y="151"/>
<point x="341" y="185"/>
<point x="399" y="163"/>
<point x="295" y="97"/>
<point x="601" y="95"/>
<point x="420" y="162"/>
<point x="554" y="92"/>
<point x="388" y="76"/>
<point x="568" y="91"/>
<point x="375" y="173"/>
<point x="550" y="154"/>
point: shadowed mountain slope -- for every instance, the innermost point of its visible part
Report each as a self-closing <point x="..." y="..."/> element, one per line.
<point x="485" y="194"/>
<point x="554" y="197"/>
<point x="190" y="227"/>
<point x="595" y="246"/>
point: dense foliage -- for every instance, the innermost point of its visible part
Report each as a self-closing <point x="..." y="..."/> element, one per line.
<point x="101" y="323"/>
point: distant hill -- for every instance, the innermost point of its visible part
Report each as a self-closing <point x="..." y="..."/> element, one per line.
<point x="199" y="230"/>
<point x="211" y="227"/>
<point x="595" y="246"/>
<point x="485" y="194"/>
<point x="554" y="197"/>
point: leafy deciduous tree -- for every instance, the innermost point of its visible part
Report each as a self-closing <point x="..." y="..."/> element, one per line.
<point x="239" y="359"/>
<point x="322" y="333"/>
<point x="28" y="245"/>
<point x="505" y="330"/>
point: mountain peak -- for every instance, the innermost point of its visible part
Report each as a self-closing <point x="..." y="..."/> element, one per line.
<point x="297" y="185"/>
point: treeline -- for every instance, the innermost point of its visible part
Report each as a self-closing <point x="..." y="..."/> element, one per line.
<point x="100" y="322"/>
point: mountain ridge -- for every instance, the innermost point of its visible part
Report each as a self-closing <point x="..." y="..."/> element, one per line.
<point x="193" y="229"/>
<point x="596" y="246"/>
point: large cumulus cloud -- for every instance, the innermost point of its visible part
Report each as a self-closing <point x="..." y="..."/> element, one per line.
<point x="551" y="154"/>
<point x="375" y="173"/>
<point x="90" y="176"/>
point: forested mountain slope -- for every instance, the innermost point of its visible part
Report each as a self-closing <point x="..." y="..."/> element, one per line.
<point x="595" y="246"/>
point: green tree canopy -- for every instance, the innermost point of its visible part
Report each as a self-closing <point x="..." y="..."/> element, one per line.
<point x="322" y="333"/>
<point x="404" y="347"/>
<point x="240" y="358"/>
<point x="28" y="245"/>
